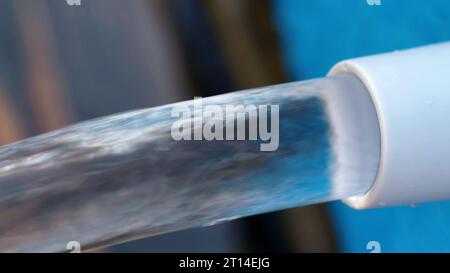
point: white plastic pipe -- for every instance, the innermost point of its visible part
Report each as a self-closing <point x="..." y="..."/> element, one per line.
<point x="411" y="93"/>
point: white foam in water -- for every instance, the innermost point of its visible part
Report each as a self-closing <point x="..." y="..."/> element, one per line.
<point x="356" y="136"/>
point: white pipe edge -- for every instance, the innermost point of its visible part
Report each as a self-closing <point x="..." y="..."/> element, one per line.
<point x="411" y="93"/>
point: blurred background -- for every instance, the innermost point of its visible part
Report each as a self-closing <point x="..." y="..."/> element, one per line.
<point x="61" y="64"/>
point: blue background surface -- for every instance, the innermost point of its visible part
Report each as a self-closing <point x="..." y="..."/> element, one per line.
<point x="315" y="34"/>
